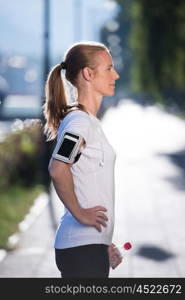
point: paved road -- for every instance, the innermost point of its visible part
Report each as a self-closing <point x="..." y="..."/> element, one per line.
<point x="150" y="199"/>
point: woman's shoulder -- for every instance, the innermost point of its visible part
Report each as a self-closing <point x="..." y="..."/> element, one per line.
<point x="76" y="114"/>
<point x="77" y="121"/>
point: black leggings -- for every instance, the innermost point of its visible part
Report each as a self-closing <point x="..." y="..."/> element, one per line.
<point x="88" y="261"/>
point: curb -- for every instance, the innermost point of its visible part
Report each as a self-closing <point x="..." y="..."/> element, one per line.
<point x="36" y="209"/>
<point x="2" y="254"/>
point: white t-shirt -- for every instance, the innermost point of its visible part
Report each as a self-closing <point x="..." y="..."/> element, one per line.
<point x="93" y="176"/>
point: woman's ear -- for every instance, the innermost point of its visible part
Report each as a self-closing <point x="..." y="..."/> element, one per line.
<point x="88" y="73"/>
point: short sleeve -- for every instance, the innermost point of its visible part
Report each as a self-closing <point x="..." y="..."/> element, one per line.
<point x="77" y="122"/>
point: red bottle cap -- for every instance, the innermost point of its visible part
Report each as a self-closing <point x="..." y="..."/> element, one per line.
<point x="127" y="246"/>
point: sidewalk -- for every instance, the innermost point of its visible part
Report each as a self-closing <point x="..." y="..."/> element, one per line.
<point x="150" y="190"/>
<point x="149" y="207"/>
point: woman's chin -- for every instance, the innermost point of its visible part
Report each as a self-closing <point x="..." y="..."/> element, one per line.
<point x="111" y="93"/>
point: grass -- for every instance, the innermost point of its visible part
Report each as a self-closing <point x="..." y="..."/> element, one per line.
<point x="14" y="205"/>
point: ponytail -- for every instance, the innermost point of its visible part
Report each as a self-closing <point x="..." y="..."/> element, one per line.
<point x="55" y="107"/>
<point x="55" y="102"/>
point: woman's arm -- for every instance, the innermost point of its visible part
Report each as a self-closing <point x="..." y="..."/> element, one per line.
<point x="62" y="179"/>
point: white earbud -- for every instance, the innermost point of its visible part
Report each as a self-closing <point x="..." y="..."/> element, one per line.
<point x="101" y="163"/>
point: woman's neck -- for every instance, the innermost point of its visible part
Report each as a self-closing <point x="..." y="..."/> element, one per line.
<point x="91" y="102"/>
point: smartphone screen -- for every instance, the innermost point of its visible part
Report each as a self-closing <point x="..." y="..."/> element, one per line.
<point x="66" y="148"/>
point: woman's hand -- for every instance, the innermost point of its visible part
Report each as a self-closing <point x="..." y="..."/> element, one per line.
<point x="93" y="216"/>
<point x="115" y="257"/>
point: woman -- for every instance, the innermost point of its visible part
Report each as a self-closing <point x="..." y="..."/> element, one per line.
<point x="82" y="164"/>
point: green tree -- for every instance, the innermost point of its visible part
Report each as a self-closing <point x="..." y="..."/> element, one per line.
<point x="158" y="46"/>
<point x="152" y="34"/>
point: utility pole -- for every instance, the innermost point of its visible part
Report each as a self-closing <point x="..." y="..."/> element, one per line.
<point x="46" y="39"/>
<point x="46" y="68"/>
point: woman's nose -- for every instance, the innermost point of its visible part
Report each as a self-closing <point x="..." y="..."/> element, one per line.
<point x="116" y="75"/>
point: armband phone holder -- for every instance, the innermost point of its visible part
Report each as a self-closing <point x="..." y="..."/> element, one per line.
<point x="67" y="146"/>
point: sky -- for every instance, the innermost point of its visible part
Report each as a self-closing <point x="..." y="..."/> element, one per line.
<point x="21" y="24"/>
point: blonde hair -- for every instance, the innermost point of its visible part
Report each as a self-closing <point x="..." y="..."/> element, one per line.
<point x="56" y="107"/>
